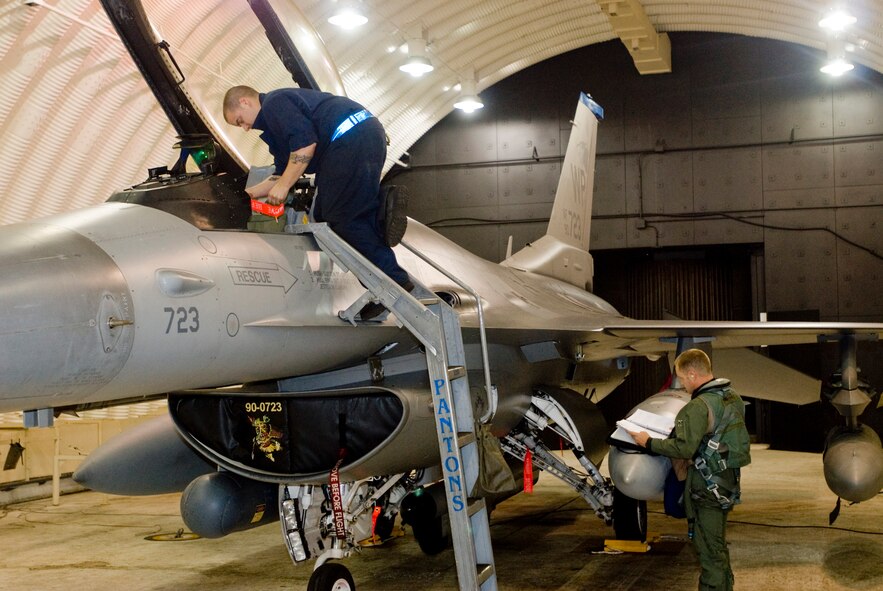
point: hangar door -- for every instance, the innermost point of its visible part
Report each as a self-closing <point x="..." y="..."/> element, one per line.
<point x="704" y="283"/>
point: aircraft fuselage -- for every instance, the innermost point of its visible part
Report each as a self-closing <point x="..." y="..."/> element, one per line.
<point x="122" y="300"/>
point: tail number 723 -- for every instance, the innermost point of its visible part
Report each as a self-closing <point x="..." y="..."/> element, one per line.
<point x="184" y="319"/>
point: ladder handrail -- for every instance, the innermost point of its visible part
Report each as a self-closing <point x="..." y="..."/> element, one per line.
<point x="436" y="324"/>
<point x="492" y="407"/>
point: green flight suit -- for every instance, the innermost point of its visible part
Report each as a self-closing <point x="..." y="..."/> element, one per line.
<point x="708" y="519"/>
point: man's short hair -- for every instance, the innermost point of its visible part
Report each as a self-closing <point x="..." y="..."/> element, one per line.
<point x="693" y="359"/>
<point x="231" y="99"/>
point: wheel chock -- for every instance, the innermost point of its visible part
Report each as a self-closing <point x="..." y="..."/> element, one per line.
<point x="631" y="546"/>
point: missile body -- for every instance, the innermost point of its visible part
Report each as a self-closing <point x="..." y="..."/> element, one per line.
<point x="221" y="503"/>
<point x="148" y="459"/>
<point x="853" y="463"/>
<point x="639" y="475"/>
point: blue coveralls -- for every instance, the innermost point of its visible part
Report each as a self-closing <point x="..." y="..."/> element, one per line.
<point x="347" y="168"/>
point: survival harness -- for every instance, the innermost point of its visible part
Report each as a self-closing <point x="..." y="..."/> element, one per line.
<point x="726" y="445"/>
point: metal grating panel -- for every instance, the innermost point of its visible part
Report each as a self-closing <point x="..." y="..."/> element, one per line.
<point x="608" y="234"/>
<point x="796" y="106"/>
<point x="423" y="191"/>
<point x="528" y="183"/>
<point x="469" y="187"/>
<point x="528" y="139"/>
<point x="674" y="233"/>
<point x="799" y="198"/>
<point x="728" y="180"/>
<point x="725" y="111"/>
<point x="857" y="108"/>
<point x="801" y="266"/>
<point x="423" y="152"/>
<point x="652" y="120"/>
<point x="798" y="167"/>
<point x="665" y="180"/>
<point x="860" y="275"/>
<point x="461" y="140"/>
<point x="726" y="232"/>
<point x="859" y="163"/>
<point x="871" y="195"/>
<point x="609" y="189"/>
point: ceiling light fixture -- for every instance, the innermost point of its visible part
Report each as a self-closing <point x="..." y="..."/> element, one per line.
<point x="836" y="20"/>
<point x="469" y="100"/>
<point x="837" y="64"/>
<point x="836" y="67"/>
<point x="348" y="15"/>
<point x="418" y="64"/>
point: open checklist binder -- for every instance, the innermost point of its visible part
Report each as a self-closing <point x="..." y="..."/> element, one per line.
<point x="658" y="426"/>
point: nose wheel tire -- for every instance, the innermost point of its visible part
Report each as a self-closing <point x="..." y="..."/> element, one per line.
<point x="629" y="517"/>
<point x="331" y="576"/>
<point x="432" y="535"/>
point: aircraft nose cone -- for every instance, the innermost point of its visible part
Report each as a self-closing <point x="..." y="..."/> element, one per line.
<point x="59" y="293"/>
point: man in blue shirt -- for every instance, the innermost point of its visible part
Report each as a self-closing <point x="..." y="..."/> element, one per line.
<point x="308" y="131"/>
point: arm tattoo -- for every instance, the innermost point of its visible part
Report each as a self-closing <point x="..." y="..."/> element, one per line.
<point x="273" y="177"/>
<point x="299" y="158"/>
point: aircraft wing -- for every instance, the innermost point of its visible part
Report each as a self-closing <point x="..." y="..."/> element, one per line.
<point x="752" y="374"/>
<point x="602" y="338"/>
<point x="649" y="336"/>
<point x="755" y="375"/>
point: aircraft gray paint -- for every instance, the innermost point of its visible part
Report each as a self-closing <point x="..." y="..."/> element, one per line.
<point x="147" y="295"/>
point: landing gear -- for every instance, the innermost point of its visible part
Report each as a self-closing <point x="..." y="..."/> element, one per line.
<point x="629" y="517"/>
<point x="425" y="510"/>
<point x="383" y="526"/>
<point x="431" y="535"/>
<point x="330" y="523"/>
<point x="565" y="417"/>
<point x="331" y="576"/>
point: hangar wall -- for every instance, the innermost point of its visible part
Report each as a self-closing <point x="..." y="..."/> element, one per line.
<point x="743" y="127"/>
<point x="71" y="439"/>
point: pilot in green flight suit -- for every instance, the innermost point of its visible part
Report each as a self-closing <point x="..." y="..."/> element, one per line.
<point x="714" y="413"/>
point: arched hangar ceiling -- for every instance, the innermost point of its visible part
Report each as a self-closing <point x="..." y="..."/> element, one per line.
<point x="77" y="121"/>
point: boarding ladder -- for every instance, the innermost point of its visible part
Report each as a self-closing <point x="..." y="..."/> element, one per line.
<point x="435" y="324"/>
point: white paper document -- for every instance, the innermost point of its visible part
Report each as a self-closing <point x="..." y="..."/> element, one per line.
<point x="658" y="426"/>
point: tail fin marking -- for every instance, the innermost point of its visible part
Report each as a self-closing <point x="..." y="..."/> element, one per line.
<point x="563" y="252"/>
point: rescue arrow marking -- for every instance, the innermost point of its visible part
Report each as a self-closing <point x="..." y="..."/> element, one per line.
<point x="264" y="276"/>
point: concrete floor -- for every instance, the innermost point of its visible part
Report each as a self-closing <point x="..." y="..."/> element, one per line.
<point x="779" y="539"/>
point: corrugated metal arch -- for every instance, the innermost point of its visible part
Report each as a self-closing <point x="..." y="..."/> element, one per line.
<point x="77" y="122"/>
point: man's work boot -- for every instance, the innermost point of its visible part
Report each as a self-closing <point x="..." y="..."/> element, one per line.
<point x="393" y="213"/>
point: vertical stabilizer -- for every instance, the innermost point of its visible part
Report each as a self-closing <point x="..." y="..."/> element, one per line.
<point x="563" y="253"/>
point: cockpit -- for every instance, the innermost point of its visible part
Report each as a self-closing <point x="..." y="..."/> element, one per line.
<point x="192" y="189"/>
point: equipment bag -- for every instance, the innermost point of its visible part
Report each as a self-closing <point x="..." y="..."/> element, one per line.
<point x="725" y="446"/>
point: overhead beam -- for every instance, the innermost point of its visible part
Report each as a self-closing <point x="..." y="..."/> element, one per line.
<point x="651" y="51"/>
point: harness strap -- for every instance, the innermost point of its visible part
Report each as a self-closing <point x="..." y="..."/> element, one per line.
<point x="716" y="485"/>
